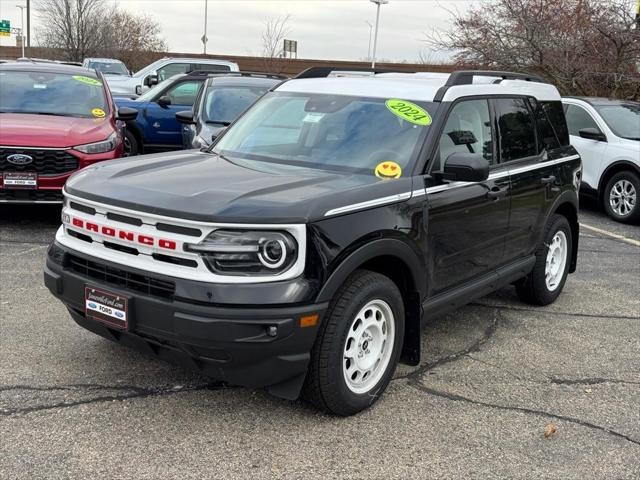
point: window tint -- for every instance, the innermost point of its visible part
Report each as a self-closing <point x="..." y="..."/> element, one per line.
<point x="184" y="93"/>
<point x="517" y="130"/>
<point x="555" y="114"/>
<point x="578" y="118"/>
<point x="211" y="67"/>
<point x="546" y="132"/>
<point x="172" y="69"/>
<point x="468" y="130"/>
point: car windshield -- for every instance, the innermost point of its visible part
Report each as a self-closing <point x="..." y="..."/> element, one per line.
<point x="224" y="104"/>
<point x="623" y="119"/>
<point x="330" y="132"/>
<point x="110" y="68"/>
<point x="47" y="93"/>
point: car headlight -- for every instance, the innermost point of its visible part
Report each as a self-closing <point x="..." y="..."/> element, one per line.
<point x="247" y="252"/>
<point x="100" y="147"/>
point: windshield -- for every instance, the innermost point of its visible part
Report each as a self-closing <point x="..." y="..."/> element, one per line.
<point x="110" y="68"/>
<point x="224" y="104"/>
<point x="52" y="94"/>
<point x="331" y="132"/>
<point x="623" y="119"/>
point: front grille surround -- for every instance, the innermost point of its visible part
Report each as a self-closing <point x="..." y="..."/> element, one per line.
<point x="46" y="162"/>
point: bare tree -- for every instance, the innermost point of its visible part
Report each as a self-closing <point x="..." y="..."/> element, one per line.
<point x="273" y="36"/>
<point x="76" y="29"/>
<point x="586" y="47"/>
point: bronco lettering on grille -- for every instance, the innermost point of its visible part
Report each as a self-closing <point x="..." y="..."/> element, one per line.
<point x="124" y="235"/>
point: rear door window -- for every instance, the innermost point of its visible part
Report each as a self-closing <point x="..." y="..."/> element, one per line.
<point x="517" y="129"/>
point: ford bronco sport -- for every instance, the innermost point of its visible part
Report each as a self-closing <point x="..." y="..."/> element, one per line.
<point x="301" y="251"/>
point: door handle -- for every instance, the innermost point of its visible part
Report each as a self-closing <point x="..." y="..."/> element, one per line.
<point x="497" y="192"/>
<point x="548" y="180"/>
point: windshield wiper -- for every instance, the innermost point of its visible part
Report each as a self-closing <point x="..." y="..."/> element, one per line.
<point x="224" y="124"/>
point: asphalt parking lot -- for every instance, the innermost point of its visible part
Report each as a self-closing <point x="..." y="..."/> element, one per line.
<point x="494" y="376"/>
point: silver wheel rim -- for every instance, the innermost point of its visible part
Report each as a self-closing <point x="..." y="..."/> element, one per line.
<point x="556" y="261"/>
<point x="368" y="347"/>
<point x="622" y="197"/>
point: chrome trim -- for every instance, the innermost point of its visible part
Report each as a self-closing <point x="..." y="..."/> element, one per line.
<point x="36" y="148"/>
<point x="447" y="186"/>
<point x="31" y="202"/>
<point x="370" y="203"/>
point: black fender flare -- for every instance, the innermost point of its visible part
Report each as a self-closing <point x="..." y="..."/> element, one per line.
<point x="414" y="263"/>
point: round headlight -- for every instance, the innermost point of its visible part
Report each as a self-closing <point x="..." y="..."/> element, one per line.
<point x="273" y="253"/>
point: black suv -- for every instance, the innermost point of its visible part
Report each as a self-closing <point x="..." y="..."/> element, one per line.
<point x="302" y="250"/>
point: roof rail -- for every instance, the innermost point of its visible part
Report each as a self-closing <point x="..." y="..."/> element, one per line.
<point x="465" y="77"/>
<point x="225" y="73"/>
<point x="321" y="72"/>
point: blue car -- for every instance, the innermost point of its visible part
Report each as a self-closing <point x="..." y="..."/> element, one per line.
<point x="156" y="128"/>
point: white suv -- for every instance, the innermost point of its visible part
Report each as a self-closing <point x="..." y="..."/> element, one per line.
<point x="162" y="69"/>
<point x="606" y="133"/>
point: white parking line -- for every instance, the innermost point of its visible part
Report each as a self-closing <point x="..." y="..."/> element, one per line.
<point x="630" y="241"/>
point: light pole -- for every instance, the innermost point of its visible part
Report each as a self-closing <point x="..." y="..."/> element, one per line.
<point x="375" y="38"/>
<point x="370" y="35"/>
<point x="22" y="7"/>
<point x="204" y="37"/>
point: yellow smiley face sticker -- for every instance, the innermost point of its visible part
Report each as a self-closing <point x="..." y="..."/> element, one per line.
<point x="388" y="169"/>
<point x="98" y="113"/>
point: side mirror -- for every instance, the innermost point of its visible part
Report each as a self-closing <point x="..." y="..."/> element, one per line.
<point x="466" y="167"/>
<point x="126" y="114"/>
<point x="592" y="134"/>
<point x="151" y="80"/>
<point x="164" y="101"/>
<point x="186" y="117"/>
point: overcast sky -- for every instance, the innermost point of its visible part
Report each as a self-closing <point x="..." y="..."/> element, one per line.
<point x="327" y="29"/>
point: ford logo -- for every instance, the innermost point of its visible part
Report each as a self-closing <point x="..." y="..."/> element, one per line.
<point x="19" y="159"/>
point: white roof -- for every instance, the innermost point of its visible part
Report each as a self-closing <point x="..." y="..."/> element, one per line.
<point x="415" y="86"/>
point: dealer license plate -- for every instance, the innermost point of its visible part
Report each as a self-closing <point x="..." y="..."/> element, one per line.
<point x="109" y="308"/>
<point x="20" y="180"/>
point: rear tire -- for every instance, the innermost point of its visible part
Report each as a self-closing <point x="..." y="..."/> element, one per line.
<point x="358" y="345"/>
<point x="545" y="282"/>
<point x="620" y="197"/>
<point x="131" y="146"/>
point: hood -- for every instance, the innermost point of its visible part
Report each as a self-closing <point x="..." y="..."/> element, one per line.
<point x="28" y="130"/>
<point x="126" y="102"/>
<point x="122" y="84"/>
<point x="204" y="187"/>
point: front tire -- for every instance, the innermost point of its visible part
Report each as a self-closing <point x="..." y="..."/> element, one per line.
<point x="131" y="146"/>
<point x="545" y="282"/>
<point x="358" y="345"/>
<point x="621" y="197"/>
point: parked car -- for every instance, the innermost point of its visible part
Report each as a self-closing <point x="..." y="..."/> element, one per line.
<point x="221" y="100"/>
<point x="607" y="135"/>
<point x="108" y="66"/>
<point x="156" y="128"/>
<point x="302" y="250"/>
<point x="161" y="70"/>
<point x="54" y="120"/>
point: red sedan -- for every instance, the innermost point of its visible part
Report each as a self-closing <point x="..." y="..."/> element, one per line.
<point x="54" y="120"/>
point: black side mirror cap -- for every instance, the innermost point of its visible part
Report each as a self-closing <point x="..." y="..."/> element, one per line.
<point x="592" y="134"/>
<point x="186" y="117"/>
<point x="164" y="101"/>
<point x="151" y="80"/>
<point x="466" y="167"/>
<point x="127" y="114"/>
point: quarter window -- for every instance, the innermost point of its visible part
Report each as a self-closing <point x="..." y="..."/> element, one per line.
<point x="517" y="129"/>
<point x="578" y="118"/>
<point x="468" y="130"/>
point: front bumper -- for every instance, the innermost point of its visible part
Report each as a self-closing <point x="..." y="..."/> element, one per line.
<point x="230" y="343"/>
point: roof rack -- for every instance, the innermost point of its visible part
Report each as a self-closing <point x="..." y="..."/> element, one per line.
<point x="225" y="73"/>
<point x="465" y="77"/>
<point x="321" y="72"/>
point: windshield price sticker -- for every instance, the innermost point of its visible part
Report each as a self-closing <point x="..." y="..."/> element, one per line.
<point x="313" y="117"/>
<point x="409" y="111"/>
<point x="98" y="113"/>
<point x="87" y="80"/>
